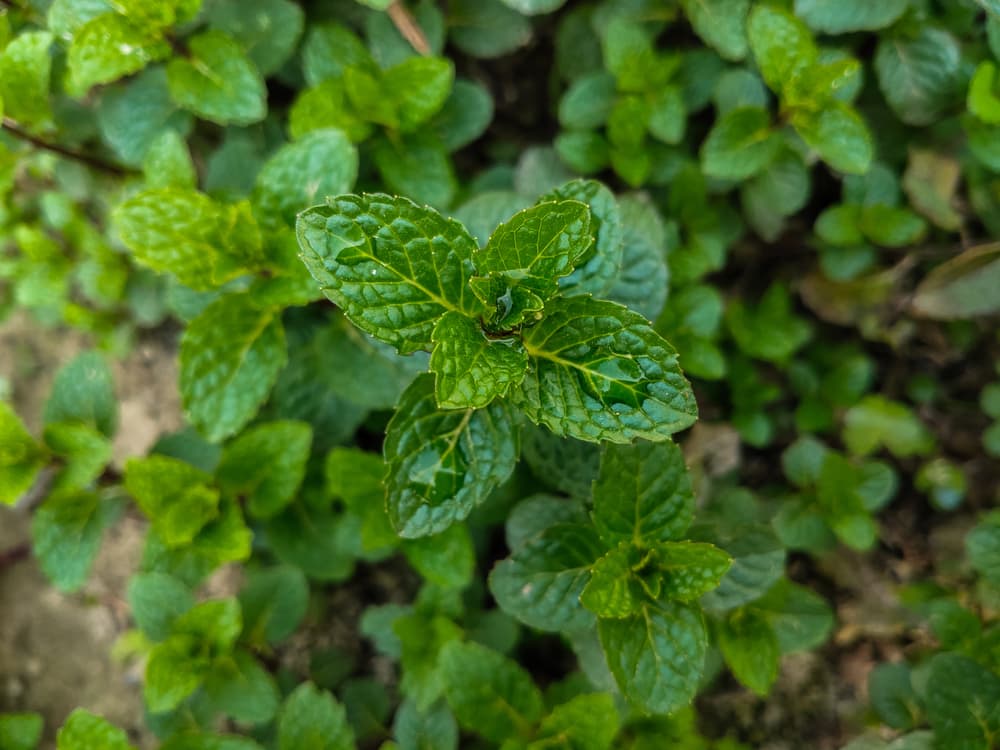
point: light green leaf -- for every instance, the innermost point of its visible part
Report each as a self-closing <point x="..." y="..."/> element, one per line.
<point x="325" y="106"/>
<point x="655" y="504"/>
<point x="265" y="465"/>
<point x="839" y="135"/>
<point x="520" y="267"/>
<point x="588" y="101"/>
<point x="442" y="464"/>
<point x="422" y="639"/>
<point x="615" y="589"/>
<point x="323" y="163"/>
<point x="175" y="496"/>
<point x="25" y="68"/>
<point x="83" y="391"/>
<point x="434" y="729"/>
<point x="720" y="24"/>
<point x="843" y="16"/>
<point x="418" y="165"/>
<point x="585" y="722"/>
<point x="657" y="655"/>
<point x="167" y="163"/>
<point x="982" y="545"/>
<point x="920" y="76"/>
<point x="446" y="559"/>
<point x="392" y="266"/>
<point x="599" y="372"/>
<point x="691" y="568"/>
<point x="110" y="47"/>
<point x="330" y="49"/>
<point x="156" y="600"/>
<point x="471" y="369"/>
<point x="274" y="601"/>
<point x="418" y="87"/>
<point x="770" y="331"/>
<point x="490" y="694"/>
<point x="801" y="618"/>
<point x="267" y="29"/>
<point x="540" y="584"/>
<point x="891" y="227"/>
<point x="750" y="648"/>
<point x="312" y="720"/>
<point x="668" y="115"/>
<point x="240" y="688"/>
<point x="218" y="82"/>
<point x="876" y="421"/>
<point x="21" y="458"/>
<point x="86" y="731"/>
<point x="66" y="536"/>
<point x="230" y="357"/>
<point x="781" y="44"/>
<point x="983" y="100"/>
<point x="741" y="143"/>
<point x="20" y="731"/>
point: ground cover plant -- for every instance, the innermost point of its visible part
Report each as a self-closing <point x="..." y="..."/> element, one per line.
<point x="592" y="368"/>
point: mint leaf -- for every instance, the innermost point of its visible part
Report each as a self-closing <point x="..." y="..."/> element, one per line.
<point x="329" y="49"/>
<point x="230" y="357"/>
<point x="849" y="15"/>
<point x="982" y="545"/>
<point x="585" y="722"/>
<point x="655" y="505"/>
<point x="876" y="421"/>
<point x="167" y="163"/>
<point x="588" y="101"/>
<point x="657" y="655"/>
<point x="536" y="513"/>
<point x="422" y="639"/>
<point x="392" y="266"/>
<point x="66" y="536"/>
<point x="963" y="701"/>
<point x="25" y="71"/>
<point x="569" y="466"/>
<point x="801" y="619"/>
<point x="417" y="165"/>
<point x="418" y="88"/>
<point x="839" y="135"/>
<point x="21" y="458"/>
<point x="22" y="731"/>
<point x="781" y="44"/>
<point x="240" y="688"/>
<point x="520" y="267"/>
<point x="274" y="602"/>
<point x="83" y="391"/>
<point x="446" y="559"/>
<point x="218" y="82"/>
<point x="920" y="75"/>
<point x="320" y="541"/>
<point x="320" y="164"/>
<point x="312" y="720"/>
<point x="598" y="371"/>
<point x="434" y="729"/>
<point x="156" y="600"/>
<point x="325" y="106"/>
<point x="771" y="331"/>
<point x="983" y="100"/>
<point x="615" y="589"/>
<point x="490" y="694"/>
<point x="471" y="369"/>
<point x="541" y="583"/>
<point x="466" y="114"/>
<point x="175" y="496"/>
<point x="643" y="280"/>
<point x="442" y="464"/>
<point x="741" y="143"/>
<point x="110" y="47"/>
<point x="690" y="569"/>
<point x="720" y="24"/>
<point x="750" y="648"/>
<point x="267" y="29"/>
<point x="84" y="731"/>
<point x="265" y="465"/>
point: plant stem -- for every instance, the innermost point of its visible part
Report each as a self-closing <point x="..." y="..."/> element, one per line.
<point x="94" y="162"/>
<point x="408" y="27"/>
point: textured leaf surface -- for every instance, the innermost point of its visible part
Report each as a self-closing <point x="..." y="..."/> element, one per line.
<point x="643" y="279"/>
<point x="614" y="590"/>
<point x="643" y="493"/>
<point x="781" y="44"/>
<point x="963" y="702"/>
<point x="490" y="694"/>
<point x="175" y="496"/>
<point x="230" y="357"/>
<point x="392" y="266"/>
<point x="84" y="391"/>
<point x="25" y="68"/>
<point x="599" y="372"/>
<point x="838" y="135"/>
<point x="110" y="47"/>
<point x="66" y="536"/>
<point x="443" y="463"/>
<point x="84" y="731"/>
<point x="540" y="584"/>
<point x="691" y="568"/>
<point x="470" y="369"/>
<point x="721" y="24"/>
<point x="741" y="143"/>
<point x="312" y="720"/>
<point x="656" y="656"/>
<point x="919" y="76"/>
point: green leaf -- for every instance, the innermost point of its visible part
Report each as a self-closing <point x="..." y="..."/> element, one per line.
<point x="892" y="695"/>
<point x="66" y="536"/>
<point x="588" y="101"/>
<point x="84" y="391"/>
<point x="771" y="331"/>
<point x="585" y="722"/>
<point x="470" y="368"/>
<point x="156" y="600"/>
<point x="668" y="115"/>
<point x="274" y="601"/>
<point x="267" y="29"/>
<point x="323" y="163"/>
<point x="21" y="458"/>
<point x="615" y="588"/>
<point x="520" y="267"/>
<point x="691" y="568"/>
<point x="961" y="287"/>
<point x="392" y="266"/>
<point x="490" y="694"/>
<point x="84" y="453"/>
<point x="741" y="143"/>
<point x="417" y="165"/>
<point x="781" y="44"/>
<point x="963" y="702"/>
<point x="312" y="720"/>
<point x="325" y="106"/>
<point x="536" y="513"/>
<point x="230" y="357"/>
<point x="446" y="559"/>
<point x="422" y="639"/>
<point x="750" y="648"/>
<point x="110" y="47"/>
<point x="920" y="76"/>
<point x="656" y="656"/>
<point x="720" y="24"/>
<point x="21" y="731"/>
<point x="85" y="731"/>
<point x="218" y="82"/>
<point x="265" y="465"/>
<point x="174" y="495"/>
<point x="876" y="421"/>
<point x="442" y="464"/>
<point x="240" y="688"/>
<point x="25" y="70"/>
<point x="167" y="163"/>
<point x="840" y="225"/>
<point x="465" y="115"/>
<point x="434" y="729"/>
<point x="418" y="88"/>
<point x="322" y="543"/>
<point x="534" y="7"/>
<point x="598" y="371"/>
<point x="356" y="477"/>
<point x="839" y="135"/>
<point x="203" y="741"/>
<point x="655" y="505"/>
<point x="982" y="545"/>
<point x="849" y="15"/>
<point x="801" y="619"/>
<point x="891" y="227"/>
<point x="487" y="28"/>
<point x="541" y="583"/>
<point x="983" y="100"/>
<point x="329" y="50"/>
<point x="598" y="268"/>
<point x="642" y="282"/>
<point x="758" y="563"/>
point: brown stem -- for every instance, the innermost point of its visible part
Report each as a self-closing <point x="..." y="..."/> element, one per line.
<point x="408" y="27"/>
<point x="90" y="160"/>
